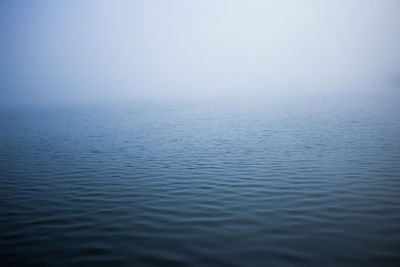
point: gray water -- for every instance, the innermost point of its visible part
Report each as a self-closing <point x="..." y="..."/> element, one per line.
<point x="200" y="185"/>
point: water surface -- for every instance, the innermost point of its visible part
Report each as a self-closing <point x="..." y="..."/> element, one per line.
<point x="200" y="185"/>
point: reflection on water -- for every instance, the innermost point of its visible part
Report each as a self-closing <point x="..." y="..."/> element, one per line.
<point x="199" y="185"/>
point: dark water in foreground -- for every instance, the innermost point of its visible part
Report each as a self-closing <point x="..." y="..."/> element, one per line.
<point x="200" y="185"/>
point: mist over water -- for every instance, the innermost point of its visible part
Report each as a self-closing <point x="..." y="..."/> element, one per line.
<point x="239" y="133"/>
<point x="111" y="51"/>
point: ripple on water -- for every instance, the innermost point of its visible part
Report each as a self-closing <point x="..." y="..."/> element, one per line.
<point x="197" y="186"/>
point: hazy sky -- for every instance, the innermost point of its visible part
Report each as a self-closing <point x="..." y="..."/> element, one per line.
<point x="78" y="50"/>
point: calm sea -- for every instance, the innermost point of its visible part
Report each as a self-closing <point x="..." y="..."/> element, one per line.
<point x="197" y="184"/>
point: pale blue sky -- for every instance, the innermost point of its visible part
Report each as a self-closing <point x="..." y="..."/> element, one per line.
<point x="92" y="50"/>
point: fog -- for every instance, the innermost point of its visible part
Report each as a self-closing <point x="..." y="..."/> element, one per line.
<point x="96" y="51"/>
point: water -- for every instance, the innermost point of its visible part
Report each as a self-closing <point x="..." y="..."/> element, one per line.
<point x="200" y="185"/>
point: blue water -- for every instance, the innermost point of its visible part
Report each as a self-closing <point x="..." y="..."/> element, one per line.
<point x="197" y="184"/>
